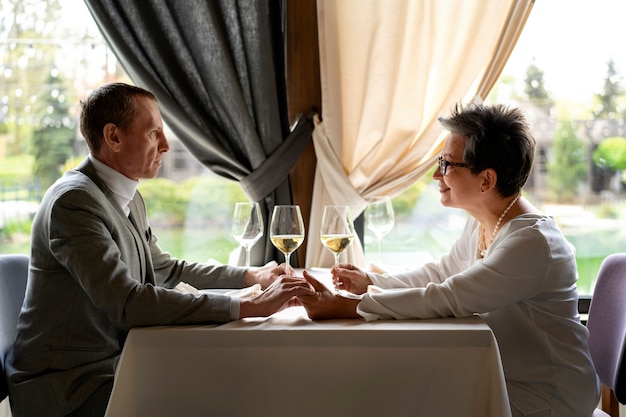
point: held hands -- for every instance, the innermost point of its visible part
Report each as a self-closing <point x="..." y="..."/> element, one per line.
<point x="283" y="289"/>
<point x="349" y="278"/>
<point x="324" y="304"/>
<point x="281" y="293"/>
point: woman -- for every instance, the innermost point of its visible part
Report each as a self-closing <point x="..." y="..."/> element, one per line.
<point x="511" y="265"/>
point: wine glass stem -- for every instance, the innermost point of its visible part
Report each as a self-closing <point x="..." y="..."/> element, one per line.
<point x="247" y="257"/>
<point x="380" y="249"/>
<point x="287" y="256"/>
<point x="336" y="258"/>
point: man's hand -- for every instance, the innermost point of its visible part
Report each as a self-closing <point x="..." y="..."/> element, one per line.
<point x="266" y="275"/>
<point x="280" y="294"/>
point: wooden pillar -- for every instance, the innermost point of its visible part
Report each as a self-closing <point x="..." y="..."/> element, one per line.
<point x="303" y="93"/>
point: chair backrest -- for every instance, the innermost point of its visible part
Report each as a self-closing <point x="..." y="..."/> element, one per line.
<point x="13" y="277"/>
<point x="607" y="324"/>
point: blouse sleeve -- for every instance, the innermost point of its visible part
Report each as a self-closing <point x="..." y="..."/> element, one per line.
<point x="460" y="257"/>
<point x="515" y="270"/>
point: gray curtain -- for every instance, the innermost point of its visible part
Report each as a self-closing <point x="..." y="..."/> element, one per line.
<point x="216" y="67"/>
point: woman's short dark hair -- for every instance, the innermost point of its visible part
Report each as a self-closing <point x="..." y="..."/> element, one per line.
<point x="498" y="137"/>
<point x="110" y="103"/>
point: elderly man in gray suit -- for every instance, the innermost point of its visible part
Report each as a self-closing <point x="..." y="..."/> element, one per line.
<point x="96" y="270"/>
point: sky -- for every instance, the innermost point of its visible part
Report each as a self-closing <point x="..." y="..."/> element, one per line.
<point x="572" y="41"/>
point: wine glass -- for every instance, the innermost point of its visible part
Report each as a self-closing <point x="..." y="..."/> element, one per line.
<point x="287" y="229"/>
<point x="380" y="219"/>
<point x="247" y="226"/>
<point x="337" y="230"/>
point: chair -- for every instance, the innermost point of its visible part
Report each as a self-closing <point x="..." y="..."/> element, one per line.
<point x="607" y="332"/>
<point x="13" y="276"/>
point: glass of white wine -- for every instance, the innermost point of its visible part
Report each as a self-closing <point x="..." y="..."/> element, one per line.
<point x="380" y="219"/>
<point x="247" y="227"/>
<point x="287" y="229"/>
<point x="337" y="230"/>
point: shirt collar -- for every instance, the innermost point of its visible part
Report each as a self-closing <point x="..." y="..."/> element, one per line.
<point x="122" y="187"/>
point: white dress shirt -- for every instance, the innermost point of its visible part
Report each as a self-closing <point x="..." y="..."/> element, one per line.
<point x="123" y="188"/>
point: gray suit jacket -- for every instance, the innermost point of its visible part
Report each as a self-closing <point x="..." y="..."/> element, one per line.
<point x="93" y="276"/>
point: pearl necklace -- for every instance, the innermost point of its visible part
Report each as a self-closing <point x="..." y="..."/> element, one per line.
<point x="482" y="246"/>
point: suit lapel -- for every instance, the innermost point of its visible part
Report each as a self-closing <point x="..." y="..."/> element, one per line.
<point x="141" y="240"/>
<point x="134" y="222"/>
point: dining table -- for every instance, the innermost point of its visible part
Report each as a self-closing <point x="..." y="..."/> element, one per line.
<point x="289" y="365"/>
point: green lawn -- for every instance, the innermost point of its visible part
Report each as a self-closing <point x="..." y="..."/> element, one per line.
<point x="200" y="245"/>
<point x="426" y="234"/>
<point x="15" y="169"/>
<point x="197" y="245"/>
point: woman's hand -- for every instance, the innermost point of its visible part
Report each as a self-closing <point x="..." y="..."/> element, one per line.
<point x="348" y="277"/>
<point x="324" y="304"/>
<point x="280" y="294"/>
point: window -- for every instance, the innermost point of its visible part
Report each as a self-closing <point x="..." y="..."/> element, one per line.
<point x="569" y="82"/>
<point x="52" y="55"/>
<point x="567" y="79"/>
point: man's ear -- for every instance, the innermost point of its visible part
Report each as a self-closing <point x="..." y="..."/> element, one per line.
<point x="111" y="139"/>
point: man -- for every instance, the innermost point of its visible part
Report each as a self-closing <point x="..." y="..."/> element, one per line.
<point x="96" y="270"/>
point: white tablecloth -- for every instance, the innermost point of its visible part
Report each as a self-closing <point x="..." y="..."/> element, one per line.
<point x="288" y="365"/>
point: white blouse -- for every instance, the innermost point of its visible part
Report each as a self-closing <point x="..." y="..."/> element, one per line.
<point x="525" y="290"/>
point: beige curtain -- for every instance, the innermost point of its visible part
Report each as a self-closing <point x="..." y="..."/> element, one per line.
<point x="388" y="69"/>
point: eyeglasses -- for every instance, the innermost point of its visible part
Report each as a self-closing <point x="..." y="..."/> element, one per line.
<point x="443" y="165"/>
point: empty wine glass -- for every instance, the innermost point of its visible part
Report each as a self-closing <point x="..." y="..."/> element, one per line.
<point x="287" y="229"/>
<point x="380" y="219"/>
<point x="247" y="226"/>
<point x="337" y="230"/>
